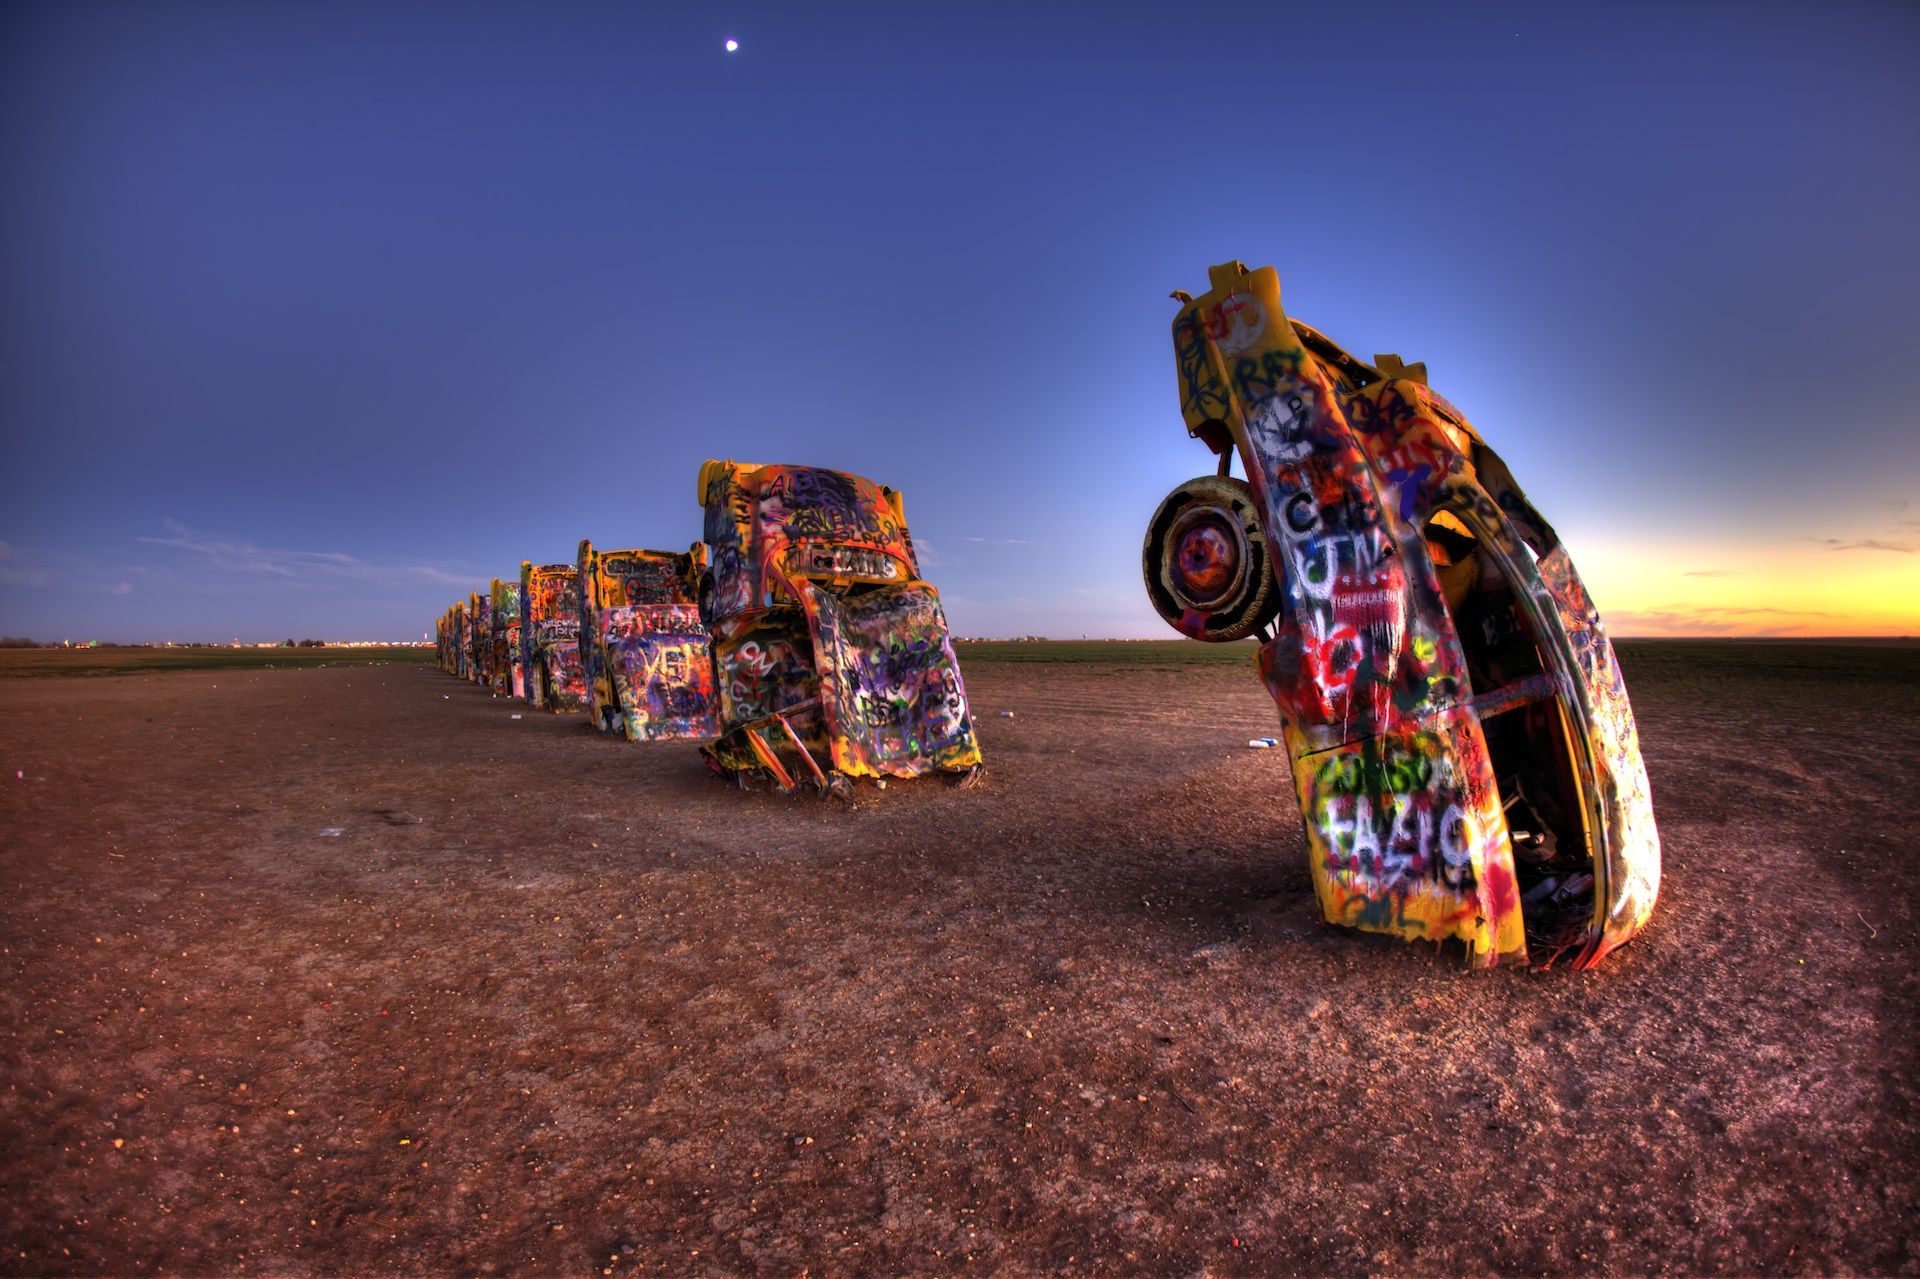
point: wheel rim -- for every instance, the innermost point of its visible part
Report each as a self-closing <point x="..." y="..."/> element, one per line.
<point x="1209" y="557"/>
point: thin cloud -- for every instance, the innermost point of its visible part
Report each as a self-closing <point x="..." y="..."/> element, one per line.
<point x="1712" y="619"/>
<point x="1712" y="572"/>
<point x="18" y="570"/>
<point x="32" y="569"/>
<point x="296" y="566"/>
<point x="1626" y="621"/>
<point x="997" y="541"/>
<point x="1784" y="612"/>
<point x="1864" y="544"/>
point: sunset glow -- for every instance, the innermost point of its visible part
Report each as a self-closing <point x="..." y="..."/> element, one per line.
<point x="1764" y="589"/>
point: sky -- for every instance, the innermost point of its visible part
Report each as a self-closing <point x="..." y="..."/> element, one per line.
<point x="318" y="315"/>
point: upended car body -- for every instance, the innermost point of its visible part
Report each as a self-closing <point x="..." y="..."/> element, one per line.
<point x="508" y="676"/>
<point x="550" y="636"/>
<point x="827" y="644"/>
<point x="462" y="642"/>
<point x="1460" y="738"/>
<point x="646" y="659"/>
<point x="480" y="609"/>
<point x="456" y="640"/>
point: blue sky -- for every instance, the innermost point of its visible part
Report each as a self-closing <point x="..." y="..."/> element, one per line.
<point x="317" y="315"/>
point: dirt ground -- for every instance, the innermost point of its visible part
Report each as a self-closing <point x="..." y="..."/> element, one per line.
<point x="345" y="971"/>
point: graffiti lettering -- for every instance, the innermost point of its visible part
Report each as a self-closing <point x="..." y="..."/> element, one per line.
<point x="1202" y="394"/>
<point x="1281" y="429"/>
<point x="1235" y="323"/>
<point x="1258" y="378"/>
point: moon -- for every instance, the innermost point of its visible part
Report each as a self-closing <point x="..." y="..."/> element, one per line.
<point x="733" y="46"/>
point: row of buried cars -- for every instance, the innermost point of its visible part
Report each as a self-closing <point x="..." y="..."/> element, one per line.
<point x="1462" y="749"/>
<point x="797" y="641"/>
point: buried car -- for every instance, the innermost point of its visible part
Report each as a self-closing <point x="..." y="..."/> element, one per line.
<point x="828" y="648"/>
<point x="550" y="636"/>
<point x="480" y="610"/>
<point x="462" y="642"/>
<point x="644" y="650"/>
<point x="1461" y="743"/>
<point x="508" y="676"/>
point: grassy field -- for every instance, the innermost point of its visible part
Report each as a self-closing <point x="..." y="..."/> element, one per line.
<point x="1160" y="653"/>
<point x="1709" y="660"/>
<point x="147" y="661"/>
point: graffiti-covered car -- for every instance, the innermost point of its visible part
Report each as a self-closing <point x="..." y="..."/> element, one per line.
<point x="508" y="677"/>
<point x="462" y="642"/>
<point x="1461" y="743"/>
<point x="828" y="647"/>
<point x="550" y="636"/>
<point x="645" y="656"/>
<point x="480" y="609"/>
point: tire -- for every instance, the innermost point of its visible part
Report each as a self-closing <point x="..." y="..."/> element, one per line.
<point x="1205" y="561"/>
<point x="703" y="599"/>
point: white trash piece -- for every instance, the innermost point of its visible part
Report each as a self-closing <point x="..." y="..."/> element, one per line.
<point x="1263" y="743"/>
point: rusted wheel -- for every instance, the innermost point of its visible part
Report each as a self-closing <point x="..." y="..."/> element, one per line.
<point x="1205" y="561"/>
